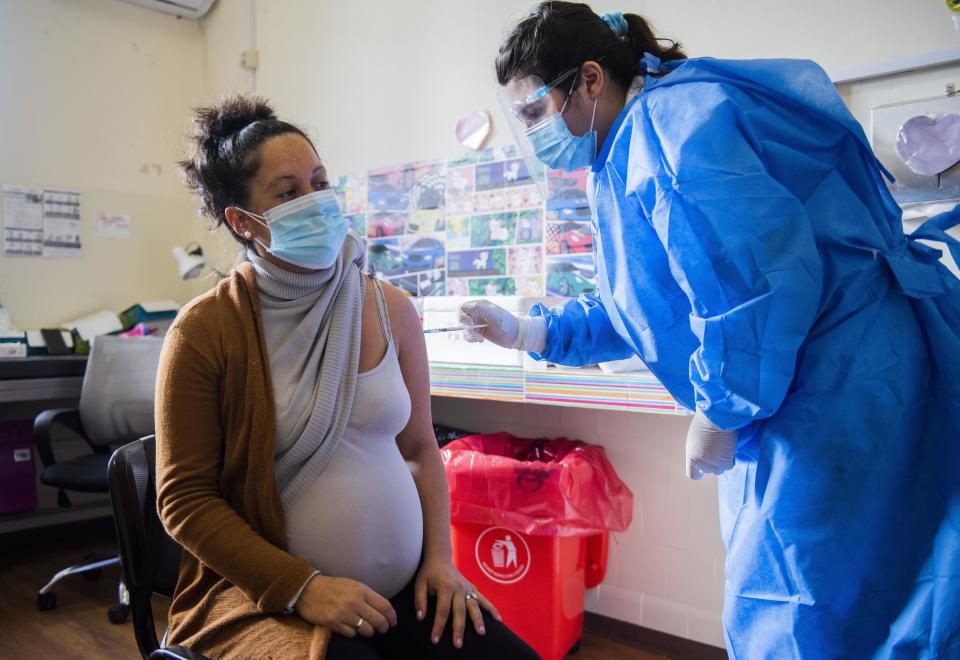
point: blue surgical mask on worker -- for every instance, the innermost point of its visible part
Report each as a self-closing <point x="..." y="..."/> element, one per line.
<point x="559" y="149"/>
<point x="307" y="231"/>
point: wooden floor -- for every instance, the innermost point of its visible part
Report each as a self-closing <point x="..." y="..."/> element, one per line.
<point x="78" y="627"/>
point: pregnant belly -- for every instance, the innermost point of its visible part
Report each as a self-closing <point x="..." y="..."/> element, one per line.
<point x="361" y="518"/>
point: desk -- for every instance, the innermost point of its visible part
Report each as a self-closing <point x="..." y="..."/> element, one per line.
<point x="41" y="378"/>
<point x="56" y="378"/>
<point x="37" y="380"/>
<point x="581" y="388"/>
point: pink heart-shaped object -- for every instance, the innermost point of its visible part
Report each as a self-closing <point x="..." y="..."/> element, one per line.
<point x="930" y="145"/>
<point x="471" y="130"/>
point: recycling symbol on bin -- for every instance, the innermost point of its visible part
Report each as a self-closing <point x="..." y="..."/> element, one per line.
<point x="503" y="555"/>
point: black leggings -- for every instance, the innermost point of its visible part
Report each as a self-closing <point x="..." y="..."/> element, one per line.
<point x="410" y="639"/>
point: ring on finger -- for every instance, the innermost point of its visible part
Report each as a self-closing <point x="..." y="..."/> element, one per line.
<point x="473" y="595"/>
<point x="359" y="623"/>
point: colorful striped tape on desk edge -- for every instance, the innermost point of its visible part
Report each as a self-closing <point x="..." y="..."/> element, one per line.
<point x="589" y="388"/>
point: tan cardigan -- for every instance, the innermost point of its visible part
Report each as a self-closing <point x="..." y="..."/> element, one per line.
<point x="215" y="425"/>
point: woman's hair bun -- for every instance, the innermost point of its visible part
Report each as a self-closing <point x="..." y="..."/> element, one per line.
<point x="230" y="116"/>
<point x="222" y="154"/>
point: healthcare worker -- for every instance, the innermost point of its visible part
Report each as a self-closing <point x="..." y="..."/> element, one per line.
<point x="748" y="250"/>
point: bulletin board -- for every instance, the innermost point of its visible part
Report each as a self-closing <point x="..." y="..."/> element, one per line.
<point x="473" y="225"/>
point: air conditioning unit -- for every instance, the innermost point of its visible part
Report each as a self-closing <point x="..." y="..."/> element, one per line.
<point x="179" y="8"/>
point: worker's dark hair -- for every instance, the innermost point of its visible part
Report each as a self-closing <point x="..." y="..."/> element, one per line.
<point x="223" y="152"/>
<point x="558" y="36"/>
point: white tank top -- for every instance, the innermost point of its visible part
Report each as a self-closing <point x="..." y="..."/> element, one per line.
<point x="361" y="518"/>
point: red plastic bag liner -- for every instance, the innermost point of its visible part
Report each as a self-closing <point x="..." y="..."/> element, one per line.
<point x="548" y="487"/>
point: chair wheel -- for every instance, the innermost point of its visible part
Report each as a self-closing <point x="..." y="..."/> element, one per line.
<point x="575" y="648"/>
<point x="91" y="576"/>
<point x="118" y="614"/>
<point x="46" y="601"/>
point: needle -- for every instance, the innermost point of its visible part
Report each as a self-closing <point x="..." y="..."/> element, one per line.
<point x="454" y="328"/>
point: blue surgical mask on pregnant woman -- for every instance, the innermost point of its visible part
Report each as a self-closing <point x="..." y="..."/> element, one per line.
<point x="307" y="231"/>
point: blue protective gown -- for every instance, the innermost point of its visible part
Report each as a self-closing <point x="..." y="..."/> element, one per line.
<point x="749" y="252"/>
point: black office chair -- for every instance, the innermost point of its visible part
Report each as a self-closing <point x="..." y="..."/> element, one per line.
<point x="116" y="406"/>
<point x="150" y="559"/>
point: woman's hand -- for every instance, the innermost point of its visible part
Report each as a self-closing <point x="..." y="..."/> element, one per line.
<point x="340" y="604"/>
<point x="454" y="594"/>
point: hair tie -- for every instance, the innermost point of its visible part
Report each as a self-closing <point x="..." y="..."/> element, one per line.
<point x="650" y="63"/>
<point x="617" y="23"/>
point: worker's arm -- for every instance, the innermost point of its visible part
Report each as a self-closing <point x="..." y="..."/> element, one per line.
<point x="575" y="334"/>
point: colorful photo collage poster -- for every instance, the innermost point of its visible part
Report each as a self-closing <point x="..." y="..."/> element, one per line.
<point x="473" y="225"/>
<point x="495" y="233"/>
<point x="568" y="238"/>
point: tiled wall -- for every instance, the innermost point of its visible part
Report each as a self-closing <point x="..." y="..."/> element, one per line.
<point x="666" y="571"/>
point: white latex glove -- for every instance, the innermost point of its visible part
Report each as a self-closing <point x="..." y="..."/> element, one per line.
<point x="525" y="333"/>
<point x="709" y="449"/>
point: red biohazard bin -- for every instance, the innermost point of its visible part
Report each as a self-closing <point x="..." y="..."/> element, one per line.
<point x="531" y="522"/>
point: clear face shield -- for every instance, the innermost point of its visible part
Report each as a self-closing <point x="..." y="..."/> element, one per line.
<point x="527" y="104"/>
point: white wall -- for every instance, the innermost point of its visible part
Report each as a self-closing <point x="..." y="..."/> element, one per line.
<point x="838" y="34"/>
<point x="382" y="83"/>
<point x="93" y="91"/>
<point x="398" y="74"/>
<point x="228" y="31"/>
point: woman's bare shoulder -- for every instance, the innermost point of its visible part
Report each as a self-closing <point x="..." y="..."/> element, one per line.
<point x="404" y="318"/>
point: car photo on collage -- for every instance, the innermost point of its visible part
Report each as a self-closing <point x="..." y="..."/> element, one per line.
<point x="385" y="256"/>
<point x="423" y="254"/>
<point x="573" y="238"/>
<point x="386" y="224"/>
<point x="569" y="204"/>
<point x="387" y="197"/>
<point x="569" y="278"/>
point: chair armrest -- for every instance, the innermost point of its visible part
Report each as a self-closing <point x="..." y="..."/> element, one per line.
<point x="176" y="653"/>
<point x="43" y="425"/>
